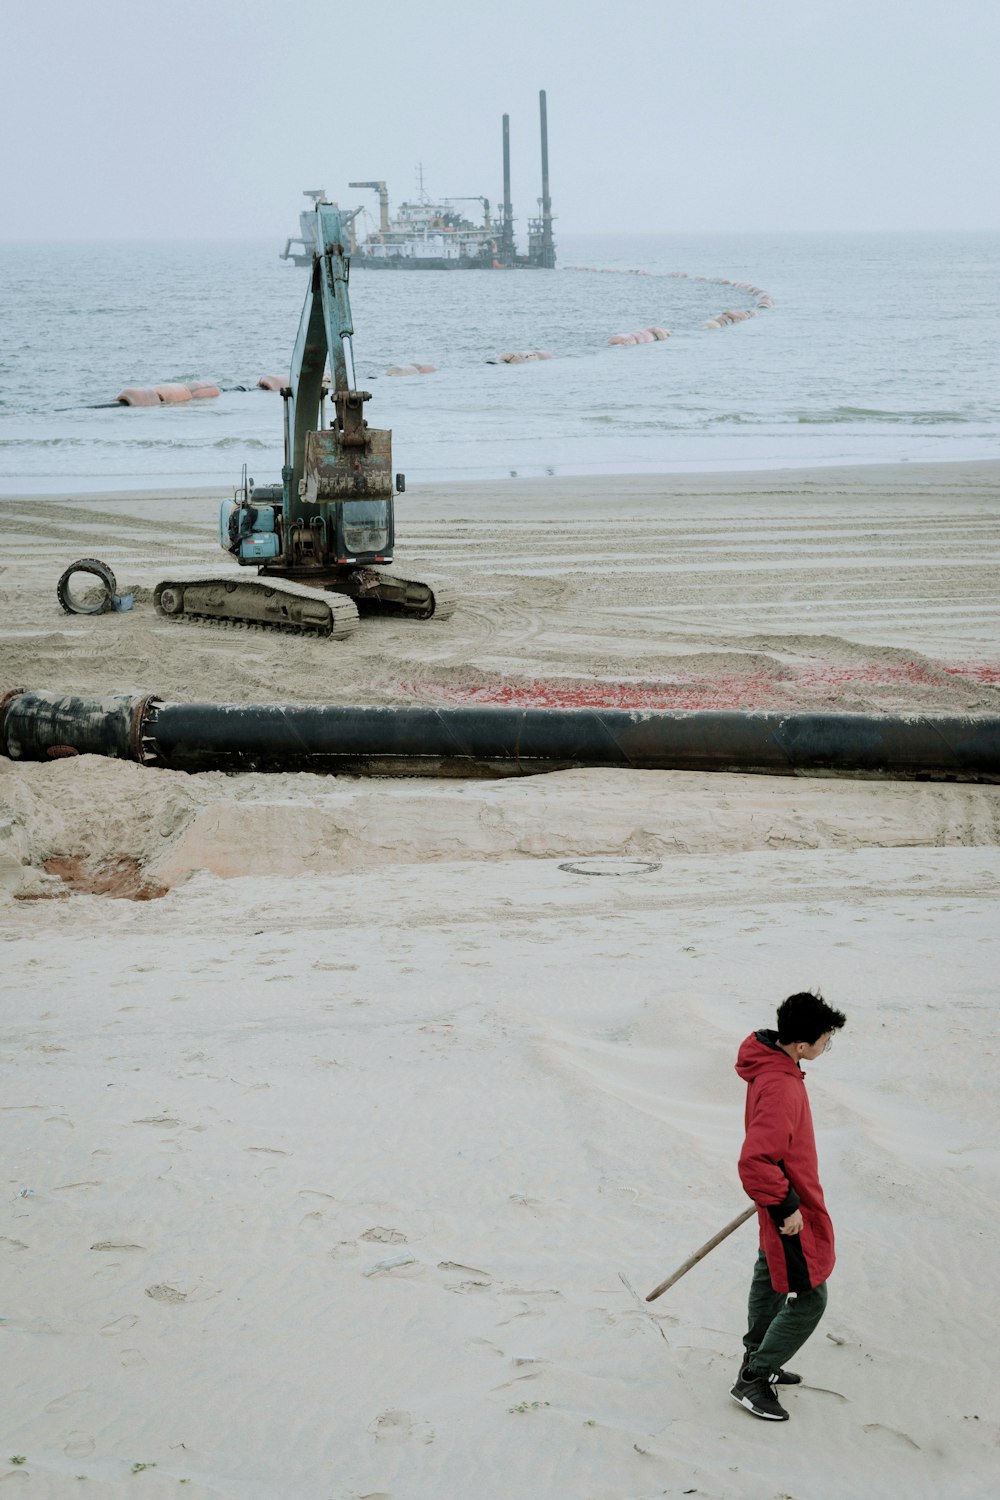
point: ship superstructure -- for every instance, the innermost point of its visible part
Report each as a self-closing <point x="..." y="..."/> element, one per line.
<point x="428" y="235"/>
<point x="436" y="234"/>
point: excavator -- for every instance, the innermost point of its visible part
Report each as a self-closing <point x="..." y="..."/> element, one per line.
<point x="321" y="538"/>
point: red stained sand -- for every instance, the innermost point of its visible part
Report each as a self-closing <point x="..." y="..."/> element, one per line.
<point x="121" y="878"/>
<point x="752" y="690"/>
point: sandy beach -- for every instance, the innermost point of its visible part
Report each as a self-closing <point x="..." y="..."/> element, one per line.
<point x="339" y="1168"/>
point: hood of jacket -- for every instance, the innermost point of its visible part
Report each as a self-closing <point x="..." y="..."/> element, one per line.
<point x="760" y="1055"/>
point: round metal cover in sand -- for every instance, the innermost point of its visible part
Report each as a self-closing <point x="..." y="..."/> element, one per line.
<point x="610" y="866"/>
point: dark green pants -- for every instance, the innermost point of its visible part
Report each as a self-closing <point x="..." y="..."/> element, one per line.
<point x="778" y="1324"/>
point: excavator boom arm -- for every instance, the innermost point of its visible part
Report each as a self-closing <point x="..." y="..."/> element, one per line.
<point x="325" y="329"/>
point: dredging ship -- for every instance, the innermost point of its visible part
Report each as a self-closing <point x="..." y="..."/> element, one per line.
<point x="436" y="235"/>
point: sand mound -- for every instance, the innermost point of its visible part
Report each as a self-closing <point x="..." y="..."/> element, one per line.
<point x="108" y="817"/>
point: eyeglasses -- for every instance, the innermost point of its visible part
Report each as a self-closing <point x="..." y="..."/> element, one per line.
<point x="829" y="1042"/>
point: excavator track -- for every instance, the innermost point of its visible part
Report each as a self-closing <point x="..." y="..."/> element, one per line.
<point x="221" y="599"/>
<point x="379" y="593"/>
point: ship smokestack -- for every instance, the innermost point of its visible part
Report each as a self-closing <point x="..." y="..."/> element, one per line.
<point x="507" y="227"/>
<point x="548" y="255"/>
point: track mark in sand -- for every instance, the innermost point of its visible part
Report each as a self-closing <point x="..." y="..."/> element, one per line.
<point x="901" y="1437"/>
<point x="379" y="1235"/>
<point x="456" y="1265"/>
<point x="400" y="1427"/>
<point x="167" y="1120"/>
<point x="618" y="1190"/>
<point x="473" y="1280"/>
<point x="115" y="1245"/>
<point x="518" y="1380"/>
<point x="655" y="1320"/>
<point x="474" y="1344"/>
<point x="119" y="1325"/>
<point x="60" y="1403"/>
<point x="12" y="1244"/>
<point x="541" y="1294"/>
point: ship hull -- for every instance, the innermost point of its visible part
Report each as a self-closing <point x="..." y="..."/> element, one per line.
<point x="421" y="263"/>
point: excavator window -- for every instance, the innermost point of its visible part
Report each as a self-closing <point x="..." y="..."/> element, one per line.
<point x="366" y="525"/>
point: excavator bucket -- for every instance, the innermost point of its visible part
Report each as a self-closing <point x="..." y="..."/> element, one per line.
<point x="333" y="471"/>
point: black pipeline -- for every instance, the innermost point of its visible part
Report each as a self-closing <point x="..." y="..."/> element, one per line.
<point x="498" y="741"/>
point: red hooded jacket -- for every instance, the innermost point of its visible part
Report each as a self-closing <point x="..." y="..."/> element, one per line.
<point x="778" y="1166"/>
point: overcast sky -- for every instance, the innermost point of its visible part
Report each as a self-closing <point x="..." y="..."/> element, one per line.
<point x="154" y="119"/>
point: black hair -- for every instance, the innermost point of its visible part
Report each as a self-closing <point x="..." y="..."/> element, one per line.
<point x="805" y="1017"/>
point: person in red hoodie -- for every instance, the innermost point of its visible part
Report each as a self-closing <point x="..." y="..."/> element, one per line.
<point x="779" y="1172"/>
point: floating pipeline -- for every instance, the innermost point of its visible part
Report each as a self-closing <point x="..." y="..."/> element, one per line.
<point x="492" y="741"/>
<point x="762" y="300"/>
<point x="171" y="393"/>
<point x="168" y="393"/>
<point x="520" y="357"/>
<point x="644" y="336"/>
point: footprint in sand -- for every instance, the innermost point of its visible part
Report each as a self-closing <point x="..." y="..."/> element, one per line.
<point x="473" y="1280"/>
<point x="78" y="1445"/>
<point x="382" y="1236"/>
<point x="161" y="1292"/>
<point x="120" y="1325"/>
<point x="60" y="1403"/>
<point x="399" y="1427"/>
<point x="891" y="1432"/>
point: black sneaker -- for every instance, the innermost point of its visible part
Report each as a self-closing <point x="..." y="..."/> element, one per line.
<point x="757" y="1396"/>
<point x="778" y="1377"/>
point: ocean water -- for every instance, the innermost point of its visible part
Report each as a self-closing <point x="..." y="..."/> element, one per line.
<point x="879" y="348"/>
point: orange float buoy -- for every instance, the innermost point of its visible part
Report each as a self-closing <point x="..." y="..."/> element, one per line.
<point x="202" y="390"/>
<point x="653" y="335"/>
<point x="402" y="370"/>
<point x="137" y="395"/>
<point x="272" y="382"/>
<point x="171" y="394"/>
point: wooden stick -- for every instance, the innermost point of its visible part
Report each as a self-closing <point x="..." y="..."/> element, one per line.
<point x="698" y="1255"/>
